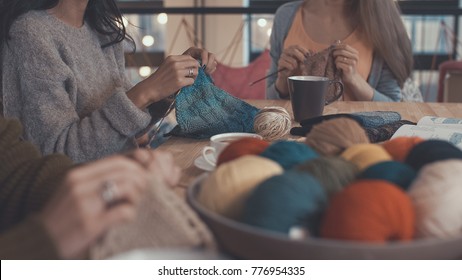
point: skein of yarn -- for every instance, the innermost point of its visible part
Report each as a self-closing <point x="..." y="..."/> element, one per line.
<point x="272" y="123"/>
<point x="431" y="151"/>
<point x="242" y="147"/>
<point x="397" y="173"/>
<point x="289" y="153"/>
<point x="292" y="199"/>
<point x="370" y="211"/>
<point x="437" y="196"/>
<point x="400" y="147"/>
<point x="365" y="155"/>
<point x="226" y="189"/>
<point x="334" y="173"/>
<point x="333" y="136"/>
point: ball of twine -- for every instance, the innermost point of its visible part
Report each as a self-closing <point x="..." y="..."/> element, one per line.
<point x="272" y="123"/>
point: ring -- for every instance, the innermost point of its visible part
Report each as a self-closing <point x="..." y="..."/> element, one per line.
<point x="345" y="59"/>
<point x="190" y="73"/>
<point x="109" y="192"/>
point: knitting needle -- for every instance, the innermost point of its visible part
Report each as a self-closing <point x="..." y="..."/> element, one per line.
<point x="266" y="77"/>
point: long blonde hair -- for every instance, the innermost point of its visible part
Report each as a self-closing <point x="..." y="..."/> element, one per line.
<point x="382" y="25"/>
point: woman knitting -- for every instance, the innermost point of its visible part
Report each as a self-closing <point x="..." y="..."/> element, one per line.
<point x="63" y="77"/>
<point x="371" y="48"/>
<point x="50" y="209"/>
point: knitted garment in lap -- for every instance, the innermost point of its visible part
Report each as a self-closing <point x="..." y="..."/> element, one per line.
<point x="203" y="110"/>
<point x="322" y="64"/>
<point x="164" y="221"/>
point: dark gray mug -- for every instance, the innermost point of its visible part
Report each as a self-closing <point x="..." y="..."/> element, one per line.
<point x="308" y="95"/>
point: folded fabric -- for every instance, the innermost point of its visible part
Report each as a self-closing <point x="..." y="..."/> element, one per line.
<point x="203" y="110"/>
<point x="367" y="120"/>
<point x="385" y="132"/>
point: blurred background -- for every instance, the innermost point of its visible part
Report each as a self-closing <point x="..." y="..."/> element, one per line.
<point x="238" y="31"/>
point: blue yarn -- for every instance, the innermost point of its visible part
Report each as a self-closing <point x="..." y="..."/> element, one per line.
<point x="289" y="153"/>
<point x="292" y="199"/>
<point x="203" y="110"/>
<point x="431" y="151"/>
<point x="398" y="173"/>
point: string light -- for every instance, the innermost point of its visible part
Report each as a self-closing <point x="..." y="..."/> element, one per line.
<point x="148" y="40"/>
<point x="145" y="71"/>
<point x="162" y="18"/>
<point x="262" y="22"/>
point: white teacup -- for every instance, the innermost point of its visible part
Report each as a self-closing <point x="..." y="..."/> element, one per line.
<point x="219" y="142"/>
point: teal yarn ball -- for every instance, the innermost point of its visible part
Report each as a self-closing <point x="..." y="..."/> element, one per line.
<point x="398" y="173"/>
<point x="289" y="153"/>
<point x="281" y="202"/>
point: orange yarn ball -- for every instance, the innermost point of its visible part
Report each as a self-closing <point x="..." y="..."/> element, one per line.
<point x="371" y="211"/>
<point x="399" y="147"/>
<point x="242" y="147"/>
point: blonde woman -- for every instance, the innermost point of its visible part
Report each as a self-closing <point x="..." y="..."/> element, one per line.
<point x="374" y="55"/>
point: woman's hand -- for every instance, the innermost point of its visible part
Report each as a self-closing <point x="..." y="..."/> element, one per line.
<point x="92" y="199"/>
<point x="346" y="59"/>
<point x="288" y="65"/>
<point x="158" y="163"/>
<point x="176" y="72"/>
<point x="208" y="59"/>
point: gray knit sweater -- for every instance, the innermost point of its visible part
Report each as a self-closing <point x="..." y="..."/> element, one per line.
<point x="68" y="92"/>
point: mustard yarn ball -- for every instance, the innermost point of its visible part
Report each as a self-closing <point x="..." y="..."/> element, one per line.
<point x="365" y="155"/>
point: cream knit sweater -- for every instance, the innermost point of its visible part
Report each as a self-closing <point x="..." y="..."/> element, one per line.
<point x="68" y="91"/>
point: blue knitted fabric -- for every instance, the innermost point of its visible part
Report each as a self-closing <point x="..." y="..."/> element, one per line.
<point x="203" y="110"/>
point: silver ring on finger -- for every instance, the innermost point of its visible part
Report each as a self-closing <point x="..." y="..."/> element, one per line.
<point x="109" y="192"/>
<point x="190" y="73"/>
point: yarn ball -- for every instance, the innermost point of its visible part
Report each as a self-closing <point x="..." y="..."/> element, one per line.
<point x="289" y="153"/>
<point x="394" y="172"/>
<point x="241" y="147"/>
<point x="292" y="199"/>
<point x="370" y="211"/>
<point x="226" y="189"/>
<point x="437" y="197"/>
<point x="400" y="147"/>
<point x="333" y="136"/>
<point x="365" y="155"/>
<point x="334" y="173"/>
<point x="272" y="123"/>
<point x="431" y="151"/>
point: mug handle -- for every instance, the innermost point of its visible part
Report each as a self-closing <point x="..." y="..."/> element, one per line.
<point x="339" y="92"/>
<point x="206" y="155"/>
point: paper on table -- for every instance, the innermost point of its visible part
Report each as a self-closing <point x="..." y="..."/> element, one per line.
<point x="431" y="132"/>
<point x="451" y="123"/>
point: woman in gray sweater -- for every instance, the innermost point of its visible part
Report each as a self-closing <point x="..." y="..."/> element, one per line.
<point x="63" y="77"/>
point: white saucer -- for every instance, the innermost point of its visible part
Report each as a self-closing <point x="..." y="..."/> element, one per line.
<point x="200" y="163"/>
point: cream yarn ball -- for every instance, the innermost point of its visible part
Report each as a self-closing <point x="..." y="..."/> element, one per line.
<point x="227" y="188"/>
<point x="272" y="123"/>
<point x="437" y="197"/>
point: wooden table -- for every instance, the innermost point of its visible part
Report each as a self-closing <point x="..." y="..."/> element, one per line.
<point x="185" y="151"/>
